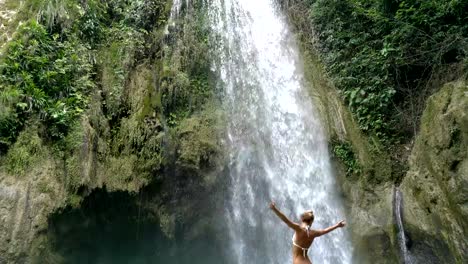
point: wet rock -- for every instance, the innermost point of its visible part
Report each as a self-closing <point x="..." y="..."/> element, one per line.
<point x="436" y="186"/>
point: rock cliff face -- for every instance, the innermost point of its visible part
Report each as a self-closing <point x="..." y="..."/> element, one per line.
<point x="434" y="189"/>
<point x="436" y="186"/>
<point x="434" y="177"/>
<point x="28" y="196"/>
<point x="25" y="204"/>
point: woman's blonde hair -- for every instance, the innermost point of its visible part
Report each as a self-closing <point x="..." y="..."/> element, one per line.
<point x="308" y="217"/>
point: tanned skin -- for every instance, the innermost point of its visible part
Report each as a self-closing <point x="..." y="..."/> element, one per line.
<point x="300" y="230"/>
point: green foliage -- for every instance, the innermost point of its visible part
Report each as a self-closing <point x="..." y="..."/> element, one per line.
<point x="10" y="123"/>
<point x="52" y="66"/>
<point x="90" y="27"/>
<point x="45" y="77"/>
<point x="381" y="54"/>
<point x="344" y="152"/>
<point x="95" y="25"/>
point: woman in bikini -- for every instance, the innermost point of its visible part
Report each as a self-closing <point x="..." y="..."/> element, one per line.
<point x="303" y="234"/>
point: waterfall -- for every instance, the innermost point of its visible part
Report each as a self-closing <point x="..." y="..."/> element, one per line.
<point x="174" y="14"/>
<point x="397" y="207"/>
<point x="278" y="148"/>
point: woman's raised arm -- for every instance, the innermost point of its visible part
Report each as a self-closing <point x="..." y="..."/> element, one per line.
<point x="281" y="216"/>
<point x="322" y="232"/>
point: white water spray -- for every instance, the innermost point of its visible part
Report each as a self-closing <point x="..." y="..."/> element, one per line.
<point x="277" y="144"/>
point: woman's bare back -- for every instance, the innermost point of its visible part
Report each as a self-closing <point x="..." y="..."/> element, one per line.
<point x="303" y="238"/>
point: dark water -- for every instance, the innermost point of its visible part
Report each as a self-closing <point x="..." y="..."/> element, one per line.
<point x="117" y="228"/>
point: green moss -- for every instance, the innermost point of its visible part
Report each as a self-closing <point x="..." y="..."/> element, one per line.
<point x="44" y="187"/>
<point x="137" y="146"/>
<point x="141" y="92"/>
<point x="198" y="142"/>
<point x="74" y="200"/>
<point x="435" y="182"/>
<point x="25" y="153"/>
<point x="115" y="61"/>
<point x="77" y="154"/>
<point x="121" y="174"/>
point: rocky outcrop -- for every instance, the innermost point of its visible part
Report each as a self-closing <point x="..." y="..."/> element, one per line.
<point x="436" y="186"/>
<point x="25" y="203"/>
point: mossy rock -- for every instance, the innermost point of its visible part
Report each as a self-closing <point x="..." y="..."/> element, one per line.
<point x="436" y="186"/>
<point x="198" y="143"/>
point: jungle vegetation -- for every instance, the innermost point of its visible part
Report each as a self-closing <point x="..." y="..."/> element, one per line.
<point x="113" y="74"/>
<point x="385" y="56"/>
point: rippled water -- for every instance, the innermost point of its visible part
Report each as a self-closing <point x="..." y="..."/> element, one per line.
<point x="277" y="144"/>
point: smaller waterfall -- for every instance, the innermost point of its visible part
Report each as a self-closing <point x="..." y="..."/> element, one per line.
<point x="175" y="12"/>
<point x="405" y="257"/>
<point x="176" y="7"/>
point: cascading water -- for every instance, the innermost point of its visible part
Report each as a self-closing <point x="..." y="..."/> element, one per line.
<point x="405" y="257"/>
<point x="278" y="147"/>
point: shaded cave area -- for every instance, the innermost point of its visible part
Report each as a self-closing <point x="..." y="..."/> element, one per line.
<point x="118" y="228"/>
